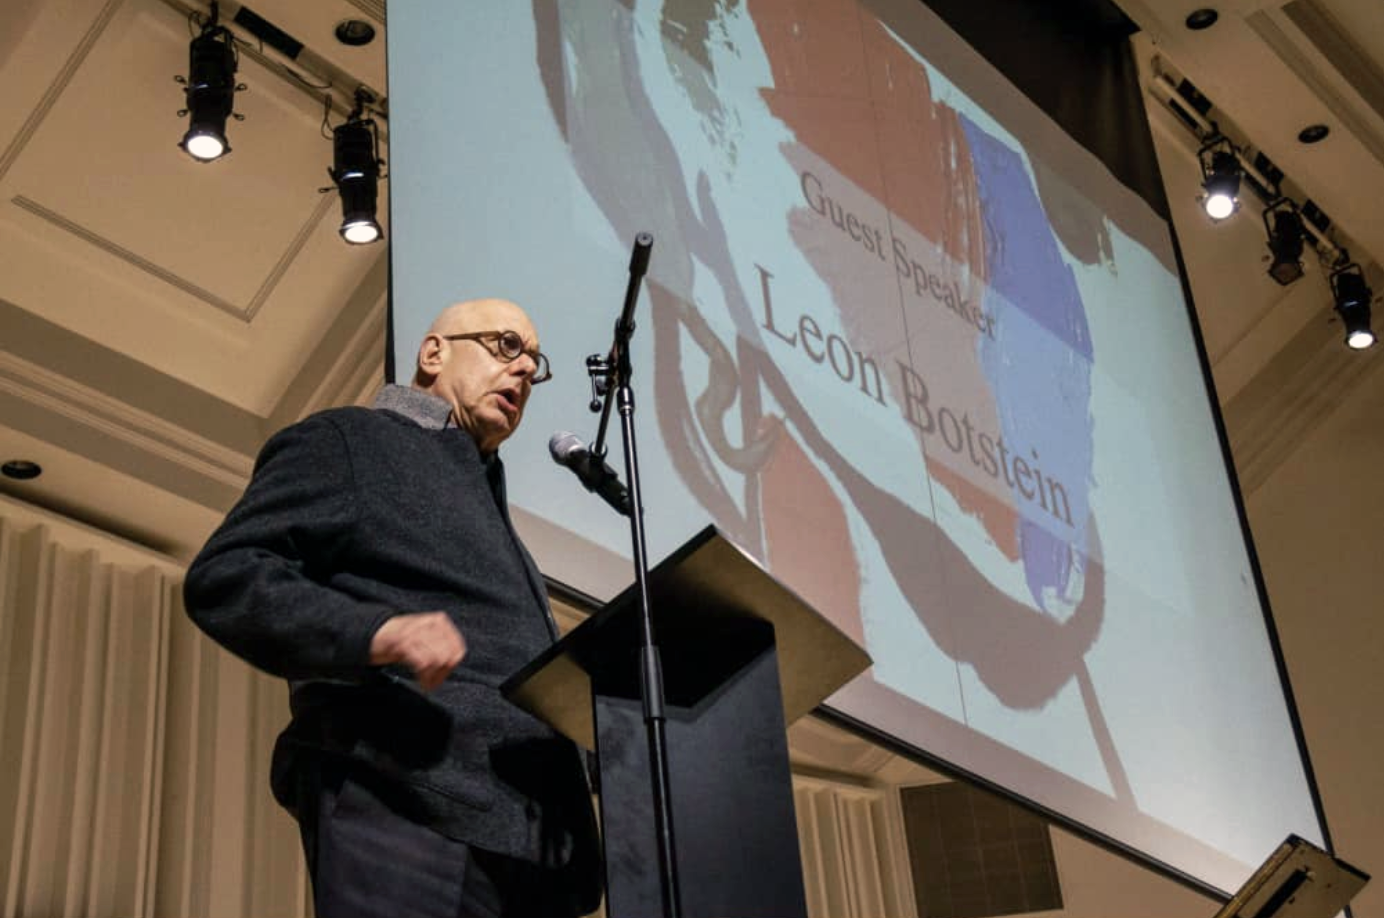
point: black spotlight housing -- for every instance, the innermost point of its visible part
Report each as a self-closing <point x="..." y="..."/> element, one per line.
<point x="1353" y="297"/>
<point x="1283" y="223"/>
<point x="356" y="173"/>
<point x="1220" y="174"/>
<point x="209" y="90"/>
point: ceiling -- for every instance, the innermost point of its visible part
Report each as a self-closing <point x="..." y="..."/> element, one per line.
<point x="159" y="317"/>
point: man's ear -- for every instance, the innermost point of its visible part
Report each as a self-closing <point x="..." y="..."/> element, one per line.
<point x="431" y="355"/>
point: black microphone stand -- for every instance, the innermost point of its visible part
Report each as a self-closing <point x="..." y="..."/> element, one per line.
<point x="612" y="373"/>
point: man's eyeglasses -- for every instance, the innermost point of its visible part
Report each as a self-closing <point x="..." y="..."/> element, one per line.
<point x="507" y="346"/>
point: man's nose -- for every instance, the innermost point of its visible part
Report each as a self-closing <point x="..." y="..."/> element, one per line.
<point x="524" y="368"/>
<point x="525" y="365"/>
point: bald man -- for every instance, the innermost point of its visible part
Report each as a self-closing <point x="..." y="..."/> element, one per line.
<point x="372" y="563"/>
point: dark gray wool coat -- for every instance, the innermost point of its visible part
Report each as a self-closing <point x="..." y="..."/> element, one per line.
<point x="357" y="514"/>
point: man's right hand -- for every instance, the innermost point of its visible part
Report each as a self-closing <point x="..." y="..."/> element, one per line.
<point x="426" y="642"/>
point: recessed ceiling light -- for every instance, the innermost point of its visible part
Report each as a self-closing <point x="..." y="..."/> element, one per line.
<point x="1203" y="18"/>
<point x="21" y="469"/>
<point x="1313" y="133"/>
<point x="355" y="32"/>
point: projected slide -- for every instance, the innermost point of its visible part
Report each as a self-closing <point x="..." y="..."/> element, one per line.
<point x="904" y="342"/>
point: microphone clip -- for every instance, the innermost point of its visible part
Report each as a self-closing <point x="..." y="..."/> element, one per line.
<point x="599" y="369"/>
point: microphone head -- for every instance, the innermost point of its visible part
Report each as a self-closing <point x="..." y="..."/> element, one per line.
<point x="565" y="446"/>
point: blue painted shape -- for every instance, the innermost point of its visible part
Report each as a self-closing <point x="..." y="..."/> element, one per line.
<point x="1038" y="366"/>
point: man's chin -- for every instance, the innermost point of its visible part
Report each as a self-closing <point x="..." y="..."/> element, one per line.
<point x="499" y="428"/>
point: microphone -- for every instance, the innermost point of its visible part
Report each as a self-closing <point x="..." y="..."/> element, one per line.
<point x="567" y="449"/>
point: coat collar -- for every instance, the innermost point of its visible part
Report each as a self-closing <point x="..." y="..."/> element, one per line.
<point x="427" y="411"/>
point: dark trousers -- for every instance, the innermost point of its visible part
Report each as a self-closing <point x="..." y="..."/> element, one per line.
<point x="365" y="859"/>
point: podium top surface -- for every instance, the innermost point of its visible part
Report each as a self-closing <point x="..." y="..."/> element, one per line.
<point x="708" y="586"/>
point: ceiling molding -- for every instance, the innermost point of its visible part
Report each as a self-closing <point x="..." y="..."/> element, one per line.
<point x="148" y="433"/>
<point x="119" y="252"/>
<point x="290" y="254"/>
<point x="90" y="363"/>
<point x="55" y="89"/>
<point x="244" y="313"/>
<point x="1336" y="45"/>
<point x="1344" y="109"/>
<point x="363" y="385"/>
<point x="372" y="8"/>
<point x="1292" y="395"/>
<point x="356" y="377"/>
<point x="348" y="357"/>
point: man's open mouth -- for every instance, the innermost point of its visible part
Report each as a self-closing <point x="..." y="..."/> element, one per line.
<point x="509" y="400"/>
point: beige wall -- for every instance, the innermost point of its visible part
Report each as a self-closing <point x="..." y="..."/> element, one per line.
<point x="1317" y="524"/>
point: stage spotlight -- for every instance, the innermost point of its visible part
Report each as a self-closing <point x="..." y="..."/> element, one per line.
<point x="210" y="90"/>
<point x="1220" y="173"/>
<point x="1284" y="226"/>
<point x="1353" y="297"/>
<point x="1222" y="186"/>
<point x="356" y="173"/>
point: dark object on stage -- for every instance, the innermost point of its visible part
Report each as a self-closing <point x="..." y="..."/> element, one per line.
<point x="1299" y="880"/>
<point x="742" y="657"/>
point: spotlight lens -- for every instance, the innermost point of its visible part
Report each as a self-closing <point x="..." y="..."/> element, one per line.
<point x="205" y="147"/>
<point x="360" y="232"/>
<point x="1286" y="272"/>
<point x="1360" y="339"/>
<point x="1219" y="206"/>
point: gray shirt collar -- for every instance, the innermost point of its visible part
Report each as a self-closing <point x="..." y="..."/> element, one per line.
<point x="425" y="410"/>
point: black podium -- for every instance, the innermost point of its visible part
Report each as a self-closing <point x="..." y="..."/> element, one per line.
<point x="742" y="658"/>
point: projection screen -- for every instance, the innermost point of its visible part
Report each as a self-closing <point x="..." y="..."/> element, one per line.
<point x="902" y="340"/>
